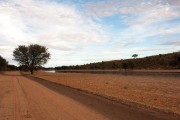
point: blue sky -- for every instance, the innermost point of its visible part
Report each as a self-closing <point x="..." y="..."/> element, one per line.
<point x="84" y="31"/>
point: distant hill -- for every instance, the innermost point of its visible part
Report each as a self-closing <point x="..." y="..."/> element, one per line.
<point x="161" y="61"/>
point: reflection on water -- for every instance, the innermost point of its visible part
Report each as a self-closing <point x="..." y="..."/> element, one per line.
<point x="127" y="73"/>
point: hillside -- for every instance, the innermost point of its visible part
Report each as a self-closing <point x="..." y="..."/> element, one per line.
<point x="161" y="61"/>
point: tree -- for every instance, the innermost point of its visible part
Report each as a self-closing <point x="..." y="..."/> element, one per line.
<point x="114" y="65"/>
<point x="130" y="64"/>
<point x="103" y="65"/>
<point x="175" y="60"/>
<point x="135" y="55"/>
<point x="125" y="65"/>
<point x="12" y="67"/>
<point x="3" y="63"/>
<point x="32" y="56"/>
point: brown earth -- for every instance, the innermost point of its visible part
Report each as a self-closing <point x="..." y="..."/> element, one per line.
<point x="22" y="98"/>
<point x="158" y="92"/>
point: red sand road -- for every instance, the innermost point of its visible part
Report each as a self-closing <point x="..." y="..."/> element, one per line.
<point x="22" y="98"/>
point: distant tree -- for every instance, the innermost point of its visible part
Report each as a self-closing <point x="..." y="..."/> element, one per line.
<point x="130" y="64"/>
<point x="135" y="55"/>
<point x="115" y="65"/>
<point x="103" y="65"/>
<point x="3" y="63"/>
<point x="175" y="61"/>
<point x="125" y="65"/>
<point x="160" y="55"/>
<point x="177" y="57"/>
<point x="31" y="56"/>
<point x="12" y="67"/>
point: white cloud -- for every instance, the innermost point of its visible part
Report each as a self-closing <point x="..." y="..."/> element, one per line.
<point x="55" y="25"/>
<point x="174" y="2"/>
<point x="68" y="30"/>
<point x="144" y="11"/>
<point x="172" y="43"/>
<point x="143" y="18"/>
<point x="156" y="14"/>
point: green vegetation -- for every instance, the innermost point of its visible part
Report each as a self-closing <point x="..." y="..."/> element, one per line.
<point x="31" y="57"/>
<point x="166" y="61"/>
<point x="5" y="66"/>
<point x="3" y="63"/>
<point x="135" y="55"/>
<point x="12" y="67"/>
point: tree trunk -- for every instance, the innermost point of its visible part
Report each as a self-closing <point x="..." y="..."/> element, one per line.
<point x="32" y="71"/>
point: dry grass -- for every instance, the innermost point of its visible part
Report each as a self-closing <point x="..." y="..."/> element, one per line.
<point x="158" y="92"/>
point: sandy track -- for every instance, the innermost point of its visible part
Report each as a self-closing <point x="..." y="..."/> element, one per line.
<point x="22" y="98"/>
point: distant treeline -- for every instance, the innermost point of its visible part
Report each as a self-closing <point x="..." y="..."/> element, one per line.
<point x="3" y="63"/>
<point x="5" y="66"/>
<point x="161" y="61"/>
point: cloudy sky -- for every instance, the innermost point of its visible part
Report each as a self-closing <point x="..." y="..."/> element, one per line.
<point x="84" y="31"/>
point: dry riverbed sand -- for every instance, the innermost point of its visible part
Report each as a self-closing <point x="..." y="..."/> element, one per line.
<point x="162" y="93"/>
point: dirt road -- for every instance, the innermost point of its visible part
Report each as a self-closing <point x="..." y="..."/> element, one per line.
<point x="22" y="98"/>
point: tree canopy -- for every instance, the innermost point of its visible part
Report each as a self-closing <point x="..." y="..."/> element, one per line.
<point x="32" y="56"/>
<point x="135" y="55"/>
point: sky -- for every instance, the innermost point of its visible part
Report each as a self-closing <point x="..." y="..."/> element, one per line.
<point x="85" y="31"/>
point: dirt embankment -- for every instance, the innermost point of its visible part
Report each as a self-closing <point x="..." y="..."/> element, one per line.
<point x="162" y="93"/>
